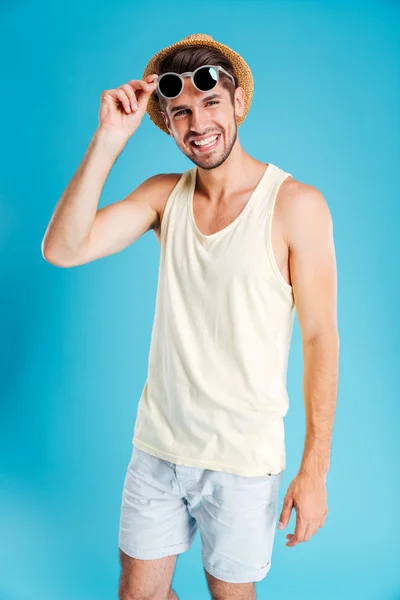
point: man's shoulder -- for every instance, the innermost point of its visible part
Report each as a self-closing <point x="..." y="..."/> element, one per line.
<point x="296" y="195"/>
<point x="161" y="186"/>
<point x="159" y="189"/>
<point x="164" y="180"/>
<point x="291" y="186"/>
<point x="301" y="206"/>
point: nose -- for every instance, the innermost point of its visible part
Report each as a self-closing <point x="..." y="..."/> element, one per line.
<point x="198" y="120"/>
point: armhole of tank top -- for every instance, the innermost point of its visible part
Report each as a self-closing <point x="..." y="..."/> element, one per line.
<point x="168" y="204"/>
<point x="270" y="251"/>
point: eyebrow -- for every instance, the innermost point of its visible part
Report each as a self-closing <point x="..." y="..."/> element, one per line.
<point x="206" y="99"/>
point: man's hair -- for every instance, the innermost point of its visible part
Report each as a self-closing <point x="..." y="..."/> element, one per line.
<point x="182" y="60"/>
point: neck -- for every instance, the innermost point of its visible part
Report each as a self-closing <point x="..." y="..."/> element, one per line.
<point x="238" y="172"/>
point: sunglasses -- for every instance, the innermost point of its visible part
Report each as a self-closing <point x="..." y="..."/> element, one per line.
<point x="204" y="78"/>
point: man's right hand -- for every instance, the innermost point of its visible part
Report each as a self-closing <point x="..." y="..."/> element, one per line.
<point x="122" y="109"/>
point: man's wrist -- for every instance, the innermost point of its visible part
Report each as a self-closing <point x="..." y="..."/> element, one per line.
<point x="313" y="470"/>
<point x="111" y="141"/>
<point x="316" y="458"/>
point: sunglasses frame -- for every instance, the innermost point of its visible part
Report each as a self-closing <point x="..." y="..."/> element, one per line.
<point x="192" y="74"/>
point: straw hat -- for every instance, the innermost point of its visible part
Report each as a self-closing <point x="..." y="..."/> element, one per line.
<point x="241" y="69"/>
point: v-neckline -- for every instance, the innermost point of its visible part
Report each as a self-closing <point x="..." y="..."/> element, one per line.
<point x="233" y="223"/>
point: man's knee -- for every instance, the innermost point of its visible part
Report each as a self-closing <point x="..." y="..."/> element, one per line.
<point x="222" y="590"/>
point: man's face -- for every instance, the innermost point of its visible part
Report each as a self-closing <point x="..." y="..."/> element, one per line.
<point x="200" y="115"/>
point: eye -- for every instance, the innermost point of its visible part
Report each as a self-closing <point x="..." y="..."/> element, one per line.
<point x="180" y="112"/>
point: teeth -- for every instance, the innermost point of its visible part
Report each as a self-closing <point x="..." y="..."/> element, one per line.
<point x="207" y="141"/>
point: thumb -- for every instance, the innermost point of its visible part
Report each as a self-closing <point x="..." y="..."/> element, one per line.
<point x="285" y="514"/>
<point x="146" y="93"/>
<point x="151" y="84"/>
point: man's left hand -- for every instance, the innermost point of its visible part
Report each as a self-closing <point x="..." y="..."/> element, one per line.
<point x="307" y="494"/>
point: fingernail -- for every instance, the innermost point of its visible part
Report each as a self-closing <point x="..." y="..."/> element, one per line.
<point x="280" y="525"/>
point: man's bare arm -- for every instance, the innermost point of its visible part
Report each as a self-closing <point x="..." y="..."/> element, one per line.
<point x="75" y="212"/>
<point x="79" y="232"/>
<point x="118" y="225"/>
<point x="314" y="281"/>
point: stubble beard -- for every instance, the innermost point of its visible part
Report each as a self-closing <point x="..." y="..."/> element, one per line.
<point x="211" y="162"/>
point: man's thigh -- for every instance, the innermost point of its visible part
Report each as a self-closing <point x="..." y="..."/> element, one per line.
<point x="237" y="518"/>
<point x="154" y="520"/>
<point x="145" y="578"/>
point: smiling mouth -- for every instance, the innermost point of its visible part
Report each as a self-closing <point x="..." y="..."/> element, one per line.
<point x="207" y="147"/>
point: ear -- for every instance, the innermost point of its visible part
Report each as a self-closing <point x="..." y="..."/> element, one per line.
<point x="166" y="121"/>
<point x="239" y="101"/>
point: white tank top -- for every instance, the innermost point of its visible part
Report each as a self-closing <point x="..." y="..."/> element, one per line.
<point x="215" y="395"/>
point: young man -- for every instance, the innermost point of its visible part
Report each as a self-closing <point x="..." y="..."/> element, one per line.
<point x="243" y="244"/>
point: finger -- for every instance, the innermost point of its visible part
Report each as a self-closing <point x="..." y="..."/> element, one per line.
<point x="139" y="84"/>
<point x="142" y="91"/>
<point x="291" y="539"/>
<point x="285" y="514"/>
<point x="131" y="95"/>
<point x="316" y="529"/>
<point x="153" y="78"/>
<point x="309" y="532"/>
<point x="299" y="532"/>
<point x="121" y="95"/>
<point x="135" y="83"/>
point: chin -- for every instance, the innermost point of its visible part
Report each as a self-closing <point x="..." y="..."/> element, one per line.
<point x="209" y="164"/>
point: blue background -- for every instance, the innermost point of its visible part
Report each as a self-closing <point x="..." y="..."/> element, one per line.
<point x="75" y="341"/>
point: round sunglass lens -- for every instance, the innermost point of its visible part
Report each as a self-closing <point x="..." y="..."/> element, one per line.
<point x="206" y="78"/>
<point x="170" y="85"/>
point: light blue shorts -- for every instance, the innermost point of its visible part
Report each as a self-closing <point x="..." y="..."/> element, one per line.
<point x="163" y="505"/>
